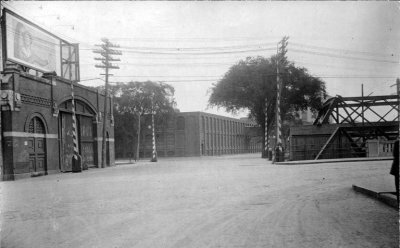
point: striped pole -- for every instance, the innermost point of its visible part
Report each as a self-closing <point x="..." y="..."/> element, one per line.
<point x="278" y="115"/>
<point x="278" y="104"/>
<point x="74" y="137"/>
<point x="278" y="119"/>
<point x="266" y="141"/>
<point x="154" y="154"/>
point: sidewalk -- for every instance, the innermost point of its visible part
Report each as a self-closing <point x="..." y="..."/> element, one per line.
<point x="319" y="161"/>
<point x="191" y="158"/>
<point x="381" y="188"/>
<point x="335" y="160"/>
<point x="126" y="161"/>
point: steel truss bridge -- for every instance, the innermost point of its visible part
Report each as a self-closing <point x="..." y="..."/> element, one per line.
<point x="359" y="119"/>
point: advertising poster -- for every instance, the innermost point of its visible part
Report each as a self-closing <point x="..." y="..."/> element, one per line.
<point x="30" y="46"/>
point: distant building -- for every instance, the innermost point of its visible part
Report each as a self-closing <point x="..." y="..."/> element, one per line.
<point x="307" y="116"/>
<point x="203" y="134"/>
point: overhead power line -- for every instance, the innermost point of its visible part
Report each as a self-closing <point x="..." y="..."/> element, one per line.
<point x="188" y="80"/>
<point x="200" y="48"/>
<point x="338" y="66"/>
<point x="314" y="75"/>
<point x="166" y="80"/>
<point x="343" y="57"/>
<point x="168" y="64"/>
<point x="199" y="39"/>
<point x="221" y="58"/>
<point x="342" y="50"/>
<point x="198" y="53"/>
<point x="353" y="76"/>
<point x="261" y="47"/>
<point x="168" y="76"/>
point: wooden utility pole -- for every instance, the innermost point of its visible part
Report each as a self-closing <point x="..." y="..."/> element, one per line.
<point x="364" y="138"/>
<point x="280" y="56"/>
<point x="106" y="51"/>
<point x="398" y="110"/>
<point x="362" y="103"/>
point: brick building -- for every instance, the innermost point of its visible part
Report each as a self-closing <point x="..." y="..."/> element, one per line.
<point x="36" y="105"/>
<point x="203" y="134"/>
<point x="36" y="115"/>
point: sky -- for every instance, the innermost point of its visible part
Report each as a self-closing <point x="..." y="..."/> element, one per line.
<point x="191" y="45"/>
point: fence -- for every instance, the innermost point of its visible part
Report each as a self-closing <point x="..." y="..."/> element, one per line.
<point x="380" y="148"/>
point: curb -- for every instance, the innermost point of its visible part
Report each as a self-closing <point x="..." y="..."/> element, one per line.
<point x="383" y="197"/>
<point x="323" y="161"/>
<point x="121" y="163"/>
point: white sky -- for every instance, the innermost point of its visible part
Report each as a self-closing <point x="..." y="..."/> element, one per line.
<point x="345" y="43"/>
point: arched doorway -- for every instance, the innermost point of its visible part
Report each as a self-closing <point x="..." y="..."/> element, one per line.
<point x="37" y="146"/>
<point x="85" y="117"/>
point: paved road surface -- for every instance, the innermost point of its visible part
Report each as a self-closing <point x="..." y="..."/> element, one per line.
<point x="236" y="201"/>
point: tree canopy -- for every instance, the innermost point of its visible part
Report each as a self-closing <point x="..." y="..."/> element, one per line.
<point x="133" y="99"/>
<point x="143" y="97"/>
<point x="250" y="81"/>
<point x="246" y="85"/>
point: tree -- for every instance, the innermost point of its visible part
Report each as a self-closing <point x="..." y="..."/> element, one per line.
<point x="246" y="85"/>
<point x="132" y="101"/>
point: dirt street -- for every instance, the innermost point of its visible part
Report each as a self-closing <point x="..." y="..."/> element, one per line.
<point x="229" y="201"/>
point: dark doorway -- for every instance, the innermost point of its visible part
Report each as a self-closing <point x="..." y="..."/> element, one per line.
<point x="37" y="146"/>
<point x="85" y="134"/>
<point x="86" y="144"/>
<point x="67" y="144"/>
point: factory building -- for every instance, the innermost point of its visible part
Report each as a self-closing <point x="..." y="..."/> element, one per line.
<point x="203" y="134"/>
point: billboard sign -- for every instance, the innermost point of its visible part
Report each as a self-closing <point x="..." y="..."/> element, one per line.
<point x="30" y="45"/>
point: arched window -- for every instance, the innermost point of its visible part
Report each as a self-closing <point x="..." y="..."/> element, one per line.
<point x="36" y="126"/>
<point x="80" y="107"/>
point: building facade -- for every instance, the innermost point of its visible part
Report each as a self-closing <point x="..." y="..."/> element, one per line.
<point x="203" y="134"/>
<point x="38" y="82"/>
<point x="36" y="126"/>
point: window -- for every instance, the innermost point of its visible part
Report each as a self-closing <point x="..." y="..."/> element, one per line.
<point x="36" y="126"/>
<point x="180" y="123"/>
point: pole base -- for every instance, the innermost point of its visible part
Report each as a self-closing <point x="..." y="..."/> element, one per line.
<point x="77" y="163"/>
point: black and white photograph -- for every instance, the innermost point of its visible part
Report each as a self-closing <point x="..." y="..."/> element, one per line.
<point x="199" y="124"/>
